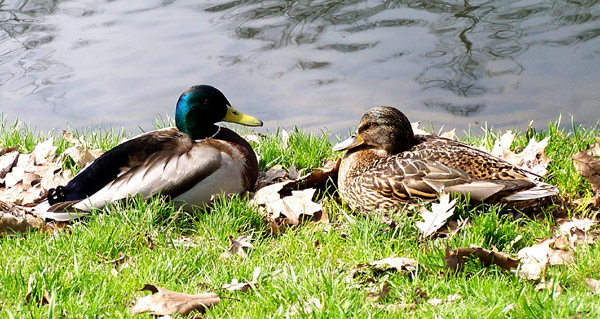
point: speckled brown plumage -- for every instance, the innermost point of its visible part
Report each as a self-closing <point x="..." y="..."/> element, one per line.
<point x="386" y="165"/>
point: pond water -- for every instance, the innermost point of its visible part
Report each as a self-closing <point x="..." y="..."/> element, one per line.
<point x="318" y="65"/>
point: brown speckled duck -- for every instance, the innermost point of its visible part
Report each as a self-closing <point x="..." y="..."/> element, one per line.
<point x="387" y="165"/>
<point x="189" y="163"/>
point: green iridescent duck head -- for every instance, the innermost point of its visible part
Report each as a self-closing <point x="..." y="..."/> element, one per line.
<point x="384" y="128"/>
<point x="201" y="106"/>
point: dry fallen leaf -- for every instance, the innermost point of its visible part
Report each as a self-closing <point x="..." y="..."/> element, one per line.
<point x="235" y="285"/>
<point x="595" y="148"/>
<point x="312" y="304"/>
<point x="556" y="289"/>
<point x="119" y="264"/>
<point x="7" y="161"/>
<point x="448" y="134"/>
<point x="417" y="130"/>
<point x="379" y="292"/>
<point x="284" y="136"/>
<point x="532" y="158"/>
<point x="38" y="299"/>
<point x="401" y="264"/>
<point x="252" y="137"/>
<point x="544" y="251"/>
<point x="237" y="246"/>
<point x="589" y="167"/>
<point x="320" y="175"/>
<point x="449" y="299"/>
<point x="274" y="174"/>
<point x="16" y="219"/>
<point x="436" y="218"/>
<point x="585" y="224"/>
<point x="166" y="302"/>
<point x="577" y="230"/>
<point x="593" y="284"/>
<point x="44" y="152"/>
<point x="455" y="259"/>
<point x="281" y="211"/>
<point x="535" y="259"/>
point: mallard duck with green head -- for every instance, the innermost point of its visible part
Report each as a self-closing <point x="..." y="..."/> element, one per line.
<point x="386" y="165"/>
<point x="189" y="163"/>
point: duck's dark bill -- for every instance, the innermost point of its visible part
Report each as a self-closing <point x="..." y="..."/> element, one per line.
<point x="347" y="143"/>
<point x="235" y="116"/>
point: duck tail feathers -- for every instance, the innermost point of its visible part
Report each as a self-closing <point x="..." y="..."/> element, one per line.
<point x="61" y="212"/>
<point x="540" y="190"/>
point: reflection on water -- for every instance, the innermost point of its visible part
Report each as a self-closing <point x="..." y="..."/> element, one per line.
<point x="316" y="64"/>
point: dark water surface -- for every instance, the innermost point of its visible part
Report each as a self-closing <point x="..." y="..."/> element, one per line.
<point x="314" y="64"/>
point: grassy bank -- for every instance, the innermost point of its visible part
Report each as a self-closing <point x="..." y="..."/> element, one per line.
<point x="96" y="267"/>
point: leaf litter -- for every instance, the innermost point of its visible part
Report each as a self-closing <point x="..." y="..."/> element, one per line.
<point x="292" y="194"/>
<point x="455" y="259"/>
<point x="437" y="217"/>
<point x="235" y="285"/>
<point x="167" y="302"/>
<point x="237" y="246"/>
<point x="26" y="178"/>
<point x="289" y="202"/>
<point x="532" y="158"/>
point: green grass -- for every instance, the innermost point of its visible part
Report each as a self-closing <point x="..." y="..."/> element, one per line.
<point x="309" y="262"/>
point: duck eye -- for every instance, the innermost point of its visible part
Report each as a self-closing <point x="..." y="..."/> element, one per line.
<point x="372" y="125"/>
<point x="206" y="102"/>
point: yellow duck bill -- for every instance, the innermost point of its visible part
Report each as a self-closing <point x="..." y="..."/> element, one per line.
<point x="235" y="116"/>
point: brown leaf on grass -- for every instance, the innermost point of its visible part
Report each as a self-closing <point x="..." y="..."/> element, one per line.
<point x="390" y="222"/>
<point x="593" y="284"/>
<point x="585" y="224"/>
<point x="166" y="302"/>
<point x="453" y="227"/>
<point x="237" y="246"/>
<point x="320" y="175"/>
<point x="589" y="167"/>
<point x="595" y="148"/>
<point x="449" y="299"/>
<point x="118" y="264"/>
<point x="281" y="211"/>
<point x="577" y="230"/>
<point x="532" y="158"/>
<point x="7" y="160"/>
<point x="37" y="298"/>
<point x="16" y="219"/>
<point x="379" y="292"/>
<point x="295" y="208"/>
<point x="535" y="259"/>
<point x="456" y="258"/>
<point x="400" y="264"/>
<point x="252" y="137"/>
<point x="448" y="134"/>
<point x="44" y="152"/>
<point x="544" y="251"/>
<point x="235" y="285"/>
<point x="556" y="289"/>
<point x="417" y="130"/>
<point x="436" y="218"/>
<point x="310" y="305"/>
<point x="80" y="155"/>
<point x="274" y="174"/>
<point x="397" y="307"/>
<point x="284" y="136"/>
